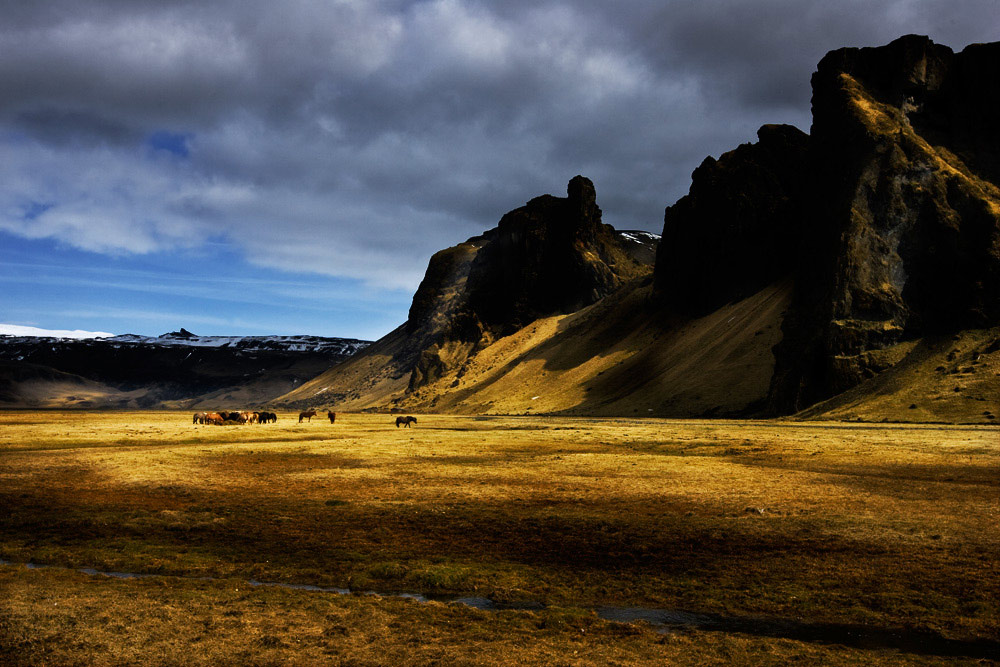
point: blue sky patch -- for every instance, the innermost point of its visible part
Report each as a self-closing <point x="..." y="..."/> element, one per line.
<point x="172" y="142"/>
<point x="33" y="209"/>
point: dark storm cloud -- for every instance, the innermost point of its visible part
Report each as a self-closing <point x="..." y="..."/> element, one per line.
<point x="356" y="138"/>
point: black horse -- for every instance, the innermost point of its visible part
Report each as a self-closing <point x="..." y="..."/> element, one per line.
<point x="405" y="421"/>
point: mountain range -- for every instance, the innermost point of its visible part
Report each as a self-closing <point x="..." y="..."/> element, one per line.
<point x="177" y="369"/>
<point x="851" y="272"/>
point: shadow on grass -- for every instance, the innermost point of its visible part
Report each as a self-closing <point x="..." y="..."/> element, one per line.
<point x="852" y="635"/>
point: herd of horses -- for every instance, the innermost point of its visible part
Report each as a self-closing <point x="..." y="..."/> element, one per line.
<point x="247" y="417"/>
<point x="243" y="417"/>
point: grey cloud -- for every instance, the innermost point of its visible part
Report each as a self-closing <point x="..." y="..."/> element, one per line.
<point x="64" y="126"/>
<point x="355" y="138"/>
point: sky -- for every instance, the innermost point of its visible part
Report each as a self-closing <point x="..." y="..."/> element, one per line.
<point x="247" y="167"/>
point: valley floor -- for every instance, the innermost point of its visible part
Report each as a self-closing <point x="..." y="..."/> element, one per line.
<point x="823" y="542"/>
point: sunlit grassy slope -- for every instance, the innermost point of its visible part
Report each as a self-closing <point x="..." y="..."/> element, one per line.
<point x="616" y="357"/>
<point x="619" y="357"/>
<point x="885" y="526"/>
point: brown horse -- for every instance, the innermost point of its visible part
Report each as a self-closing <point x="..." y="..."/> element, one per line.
<point x="405" y="421"/>
<point x="308" y="414"/>
<point x="332" y="416"/>
<point x="214" y="418"/>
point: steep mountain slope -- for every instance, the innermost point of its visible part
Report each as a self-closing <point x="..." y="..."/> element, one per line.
<point x="610" y="358"/>
<point x="552" y="256"/>
<point x="613" y="359"/>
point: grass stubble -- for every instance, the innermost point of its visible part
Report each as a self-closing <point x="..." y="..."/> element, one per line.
<point x="884" y="526"/>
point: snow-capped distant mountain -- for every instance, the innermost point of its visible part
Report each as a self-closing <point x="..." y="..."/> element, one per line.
<point x="175" y="369"/>
<point x="639" y="244"/>
<point x="184" y="338"/>
<point x="303" y="343"/>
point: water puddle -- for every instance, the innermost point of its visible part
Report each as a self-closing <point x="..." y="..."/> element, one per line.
<point x="672" y="620"/>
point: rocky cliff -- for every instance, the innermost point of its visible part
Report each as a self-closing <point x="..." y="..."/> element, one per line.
<point x="739" y="227"/>
<point x="904" y="233"/>
<point x="552" y="256"/>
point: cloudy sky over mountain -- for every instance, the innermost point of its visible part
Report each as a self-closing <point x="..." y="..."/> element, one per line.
<point x="254" y="167"/>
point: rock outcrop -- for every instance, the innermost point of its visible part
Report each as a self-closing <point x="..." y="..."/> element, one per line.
<point x="553" y="255"/>
<point x="738" y="229"/>
<point x="886" y="218"/>
<point x="904" y="236"/>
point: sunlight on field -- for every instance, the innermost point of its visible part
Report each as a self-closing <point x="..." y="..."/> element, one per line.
<point x="881" y="525"/>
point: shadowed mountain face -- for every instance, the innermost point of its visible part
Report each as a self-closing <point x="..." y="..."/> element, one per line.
<point x="904" y="239"/>
<point x="738" y="229"/>
<point x="550" y="256"/>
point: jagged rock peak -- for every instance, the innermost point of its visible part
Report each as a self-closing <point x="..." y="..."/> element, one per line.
<point x="551" y="256"/>
<point x="183" y="333"/>
<point x="895" y="72"/>
<point x="582" y="197"/>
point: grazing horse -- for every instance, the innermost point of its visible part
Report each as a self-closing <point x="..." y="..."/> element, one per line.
<point x="332" y="415"/>
<point x="214" y="418"/>
<point x="200" y="418"/>
<point x="268" y="417"/>
<point x="308" y="414"/>
<point x="405" y="421"/>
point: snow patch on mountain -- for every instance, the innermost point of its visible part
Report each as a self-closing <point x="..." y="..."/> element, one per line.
<point x="18" y="330"/>
<point x="301" y="343"/>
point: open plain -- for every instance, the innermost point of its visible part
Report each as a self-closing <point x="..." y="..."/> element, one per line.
<point x="753" y="542"/>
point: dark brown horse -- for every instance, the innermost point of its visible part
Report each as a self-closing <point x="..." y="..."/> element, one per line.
<point x="405" y="421"/>
<point x="332" y="415"/>
<point x="308" y="414"/>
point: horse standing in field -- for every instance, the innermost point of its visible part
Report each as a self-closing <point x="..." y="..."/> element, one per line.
<point x="332" y="415"/>
<point x="405" y="421"/>
<point x="267" y="418"/>
<point x="308" y="414"/>
<point x="214" y="418"/>
<point x="200" y="418"/>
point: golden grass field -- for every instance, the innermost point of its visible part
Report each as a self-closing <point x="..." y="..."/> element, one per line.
<point x="776" y="524"/>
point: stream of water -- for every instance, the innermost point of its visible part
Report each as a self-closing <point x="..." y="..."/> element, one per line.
<point x="671" y="620"/>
